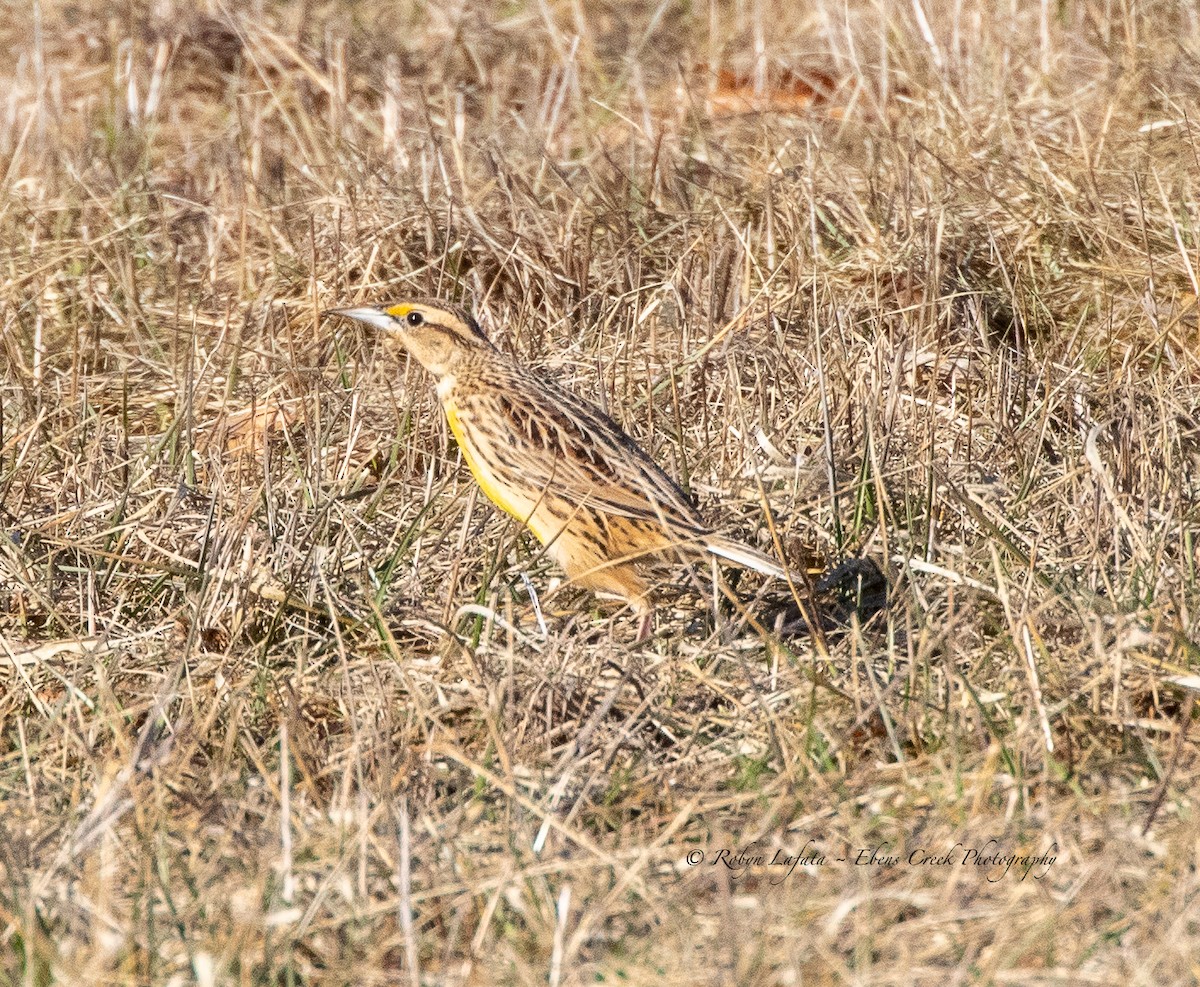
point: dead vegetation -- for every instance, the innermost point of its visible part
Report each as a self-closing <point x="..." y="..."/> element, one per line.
<point x="285" y="701"/>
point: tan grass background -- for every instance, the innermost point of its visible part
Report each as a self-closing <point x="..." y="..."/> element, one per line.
<point x="277" y="707"/>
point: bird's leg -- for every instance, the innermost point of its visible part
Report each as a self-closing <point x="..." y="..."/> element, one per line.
<point x="644" y="608"/>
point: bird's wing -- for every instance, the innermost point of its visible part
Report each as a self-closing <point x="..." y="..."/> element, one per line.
<point x="553" y="440"/>
<point x="545" y="440"/>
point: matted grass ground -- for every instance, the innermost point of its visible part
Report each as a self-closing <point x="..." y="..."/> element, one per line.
<point x="278" y="706"/>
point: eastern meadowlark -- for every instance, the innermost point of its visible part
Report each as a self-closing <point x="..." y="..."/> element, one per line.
<point x="601" y="507"/>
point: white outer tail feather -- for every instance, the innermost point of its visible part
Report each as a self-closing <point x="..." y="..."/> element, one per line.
<point x="750" y="558"/>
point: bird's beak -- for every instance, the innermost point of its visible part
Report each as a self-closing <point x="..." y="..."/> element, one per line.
<point x="371" y="316"/>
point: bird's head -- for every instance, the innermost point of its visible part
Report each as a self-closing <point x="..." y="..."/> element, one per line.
<point x="435" y="333"/>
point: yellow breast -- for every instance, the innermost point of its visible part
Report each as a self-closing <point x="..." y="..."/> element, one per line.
<point x="510" y="501"/>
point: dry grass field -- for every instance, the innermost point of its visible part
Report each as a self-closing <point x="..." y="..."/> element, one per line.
<point x="285" y="701"/>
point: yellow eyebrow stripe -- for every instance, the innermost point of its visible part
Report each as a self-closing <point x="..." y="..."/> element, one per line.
<point x="399" y="311"/>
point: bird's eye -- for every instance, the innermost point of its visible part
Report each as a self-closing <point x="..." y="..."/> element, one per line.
<point x="414" y="318"/>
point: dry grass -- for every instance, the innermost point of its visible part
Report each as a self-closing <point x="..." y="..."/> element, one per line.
<point x="277" y="707"/>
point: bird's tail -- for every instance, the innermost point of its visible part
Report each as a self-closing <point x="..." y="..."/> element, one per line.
<point x="749" y="558"/>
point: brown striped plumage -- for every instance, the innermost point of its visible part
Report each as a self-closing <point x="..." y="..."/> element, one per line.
<point x="555" y="462"/>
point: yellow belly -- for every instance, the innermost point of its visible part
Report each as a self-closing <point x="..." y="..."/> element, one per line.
<point x="512" y="502"/>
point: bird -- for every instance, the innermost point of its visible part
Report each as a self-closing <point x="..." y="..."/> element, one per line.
<point x="600" y="506"/>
